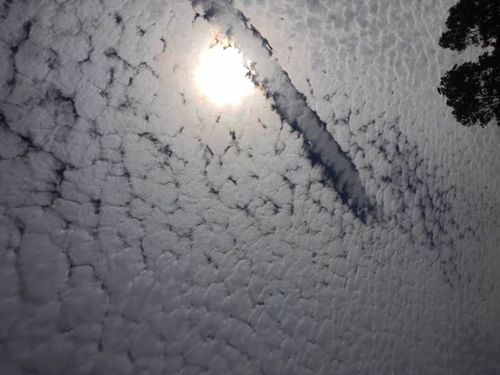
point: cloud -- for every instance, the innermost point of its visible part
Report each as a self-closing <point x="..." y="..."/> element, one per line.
<point x="291" y="104"/>
<point x="145" y="231"/>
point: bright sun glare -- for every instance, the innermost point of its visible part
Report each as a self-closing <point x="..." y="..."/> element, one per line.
<point x="221" y="75"/>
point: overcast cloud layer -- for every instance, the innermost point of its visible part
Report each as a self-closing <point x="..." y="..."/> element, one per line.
<point x="145" y="231"/>
<point x="289" y="103"/>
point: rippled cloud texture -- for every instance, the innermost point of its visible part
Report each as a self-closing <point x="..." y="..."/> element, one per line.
<point x="145" y="230"/>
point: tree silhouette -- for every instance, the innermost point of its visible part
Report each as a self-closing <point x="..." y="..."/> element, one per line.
<point x="473" y="88"/>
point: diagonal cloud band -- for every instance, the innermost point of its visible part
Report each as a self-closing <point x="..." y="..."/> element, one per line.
<point x="289" y="103"/>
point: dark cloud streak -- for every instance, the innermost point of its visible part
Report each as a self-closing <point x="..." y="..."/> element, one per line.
<point x="290" y="104"/>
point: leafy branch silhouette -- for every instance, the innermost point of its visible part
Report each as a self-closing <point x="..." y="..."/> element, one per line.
<point x="473" y="88"/>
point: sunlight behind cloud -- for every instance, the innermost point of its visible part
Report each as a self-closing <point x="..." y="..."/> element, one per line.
<point x="221" y="75"/>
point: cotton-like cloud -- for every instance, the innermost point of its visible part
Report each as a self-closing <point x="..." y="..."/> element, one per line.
<point x="290" y="103"/>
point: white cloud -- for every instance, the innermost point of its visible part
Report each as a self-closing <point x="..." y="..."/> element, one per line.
<point x="149" y="232"/>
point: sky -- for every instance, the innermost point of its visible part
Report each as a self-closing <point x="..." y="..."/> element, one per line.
<point x="337" y="219"/>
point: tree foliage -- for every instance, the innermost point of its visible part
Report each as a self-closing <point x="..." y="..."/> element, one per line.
<point x="473" y="88"/>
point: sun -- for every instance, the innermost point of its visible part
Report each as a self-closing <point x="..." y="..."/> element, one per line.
<point x="221" y="75"/>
